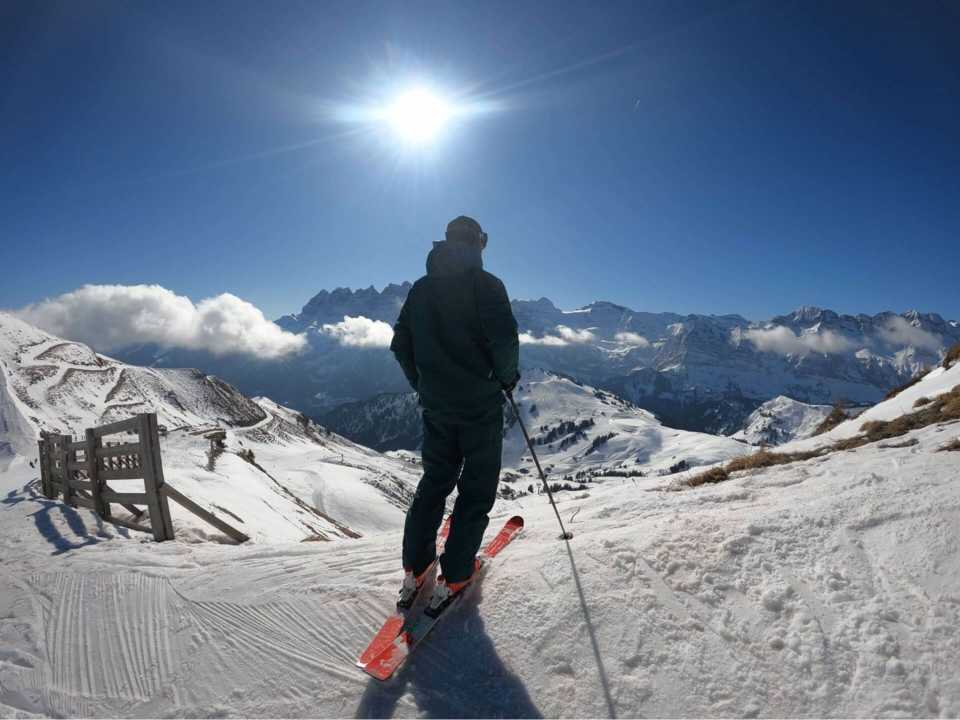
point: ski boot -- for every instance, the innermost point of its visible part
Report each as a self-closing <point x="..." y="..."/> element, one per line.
<point x="445" y="593"/>
<point x="411" y="586"/>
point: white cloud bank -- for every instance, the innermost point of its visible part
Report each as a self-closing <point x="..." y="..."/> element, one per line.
<point x="900" y="332"/>
<point x="360" y="332"/>
<point x="631" y="338"/>
<point x="783" y="341"/>
<point x="565" y="336"/>
<point x="577" y="337"/>
<point x="547" y="340"/>
<point x="113" y="316"/>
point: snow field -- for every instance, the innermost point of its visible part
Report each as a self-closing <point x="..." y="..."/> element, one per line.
<point x="827" y="588"/>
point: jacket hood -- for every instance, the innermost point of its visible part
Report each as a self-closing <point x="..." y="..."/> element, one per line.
<point x="453" y="258"/>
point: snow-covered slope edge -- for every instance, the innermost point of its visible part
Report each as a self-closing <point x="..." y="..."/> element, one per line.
<point x="938" y="381"/>
<point x="278" y="476"/>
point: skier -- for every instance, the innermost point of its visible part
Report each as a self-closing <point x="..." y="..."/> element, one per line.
<point x="456" y="340"/>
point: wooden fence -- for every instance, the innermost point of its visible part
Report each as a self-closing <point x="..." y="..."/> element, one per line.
<point x="81" y="471"/>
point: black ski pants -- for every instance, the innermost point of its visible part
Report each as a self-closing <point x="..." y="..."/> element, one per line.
<point x="461" y="456"/>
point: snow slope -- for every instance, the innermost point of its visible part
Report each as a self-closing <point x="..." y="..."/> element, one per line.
<point x="303" y="483"/>
<point x="829" y="588"/>
<point x="936" y="382"/>
<point x="578" y="428"/>
<point x="780" y="420"/>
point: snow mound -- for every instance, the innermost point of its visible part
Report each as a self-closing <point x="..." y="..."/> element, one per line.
<point x="781" y="420"/>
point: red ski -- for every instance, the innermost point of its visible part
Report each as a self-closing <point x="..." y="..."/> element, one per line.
<point x="393" y="655"/>
<point x="393" y="625"/>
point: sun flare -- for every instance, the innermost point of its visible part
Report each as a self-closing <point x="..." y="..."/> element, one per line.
<point x="417" y="116"/>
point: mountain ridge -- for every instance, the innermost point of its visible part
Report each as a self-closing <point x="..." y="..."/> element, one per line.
<point x="697" y="372"/>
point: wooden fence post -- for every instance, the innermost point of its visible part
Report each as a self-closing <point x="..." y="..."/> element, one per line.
<point x="160" y="520"/>
<point x="46" y="482"/>
<point x="93" y="472"/>
<point x="64" y="455"/>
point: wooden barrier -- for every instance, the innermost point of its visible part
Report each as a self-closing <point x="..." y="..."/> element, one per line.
<point x="83" y="480"/>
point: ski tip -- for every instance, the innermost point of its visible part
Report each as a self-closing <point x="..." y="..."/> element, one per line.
<point x="516" y="521"/>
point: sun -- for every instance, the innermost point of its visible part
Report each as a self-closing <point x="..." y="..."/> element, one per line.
<point x="417" y="116"/>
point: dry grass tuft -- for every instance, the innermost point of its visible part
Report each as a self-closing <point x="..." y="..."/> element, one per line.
<point x="760" y="459"/>
<point x="836" y="416"/>
<point x="953" y="445"/>
<point x="850" y="443"/>
<point x="940" y="409"/>
<point x="922" y="401"/>
<point x="913" y="381"/>
<point x="765" y="458"/>
<point x="711" y="476"/>
<point x="944" y="408"/>
<point x="952" y="356"/>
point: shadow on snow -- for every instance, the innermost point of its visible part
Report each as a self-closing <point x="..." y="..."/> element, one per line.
<point x="457" y="673"/>
<point x="44" y="519"/>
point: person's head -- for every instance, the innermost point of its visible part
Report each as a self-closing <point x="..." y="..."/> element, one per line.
<point x="466" y="230"/>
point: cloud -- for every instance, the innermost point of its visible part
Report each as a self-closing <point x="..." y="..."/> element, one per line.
<point x="631" y="338"/>
<point x="783" y="341"/>
<point x="360" y="332"/>
<point x="575" y="336"/>
<point x="113" y="316"/>
<point x="565" y="336"/>
<point x="900" y="332"/>
<point x="549" y="340"/>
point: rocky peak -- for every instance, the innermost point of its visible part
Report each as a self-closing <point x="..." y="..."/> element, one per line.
<point x="807" y="315"/>
<point x="331" y="306"/>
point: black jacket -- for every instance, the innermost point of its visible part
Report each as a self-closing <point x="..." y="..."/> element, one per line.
<point x="456" y="337"/>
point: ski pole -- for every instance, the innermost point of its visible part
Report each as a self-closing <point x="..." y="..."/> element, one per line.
<point x="516" y="411"/>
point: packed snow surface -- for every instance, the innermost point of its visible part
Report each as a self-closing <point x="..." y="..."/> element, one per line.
<point x="829" y="588"/>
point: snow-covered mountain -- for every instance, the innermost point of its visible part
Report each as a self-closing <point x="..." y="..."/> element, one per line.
<point x="710" y="372"/>
<point x="697" y="372"/>
<point x="328" y="307"/>
<point x="389" y="421"/>
<point x="279" y="476"/>
<point x="579" y="431"/>
<point x="781" y="420"/>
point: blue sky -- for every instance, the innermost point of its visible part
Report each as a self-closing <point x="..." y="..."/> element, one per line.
<point x="744" y="157"/>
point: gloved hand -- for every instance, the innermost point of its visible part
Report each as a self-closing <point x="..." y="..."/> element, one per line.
<point x="509" y="387"/>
